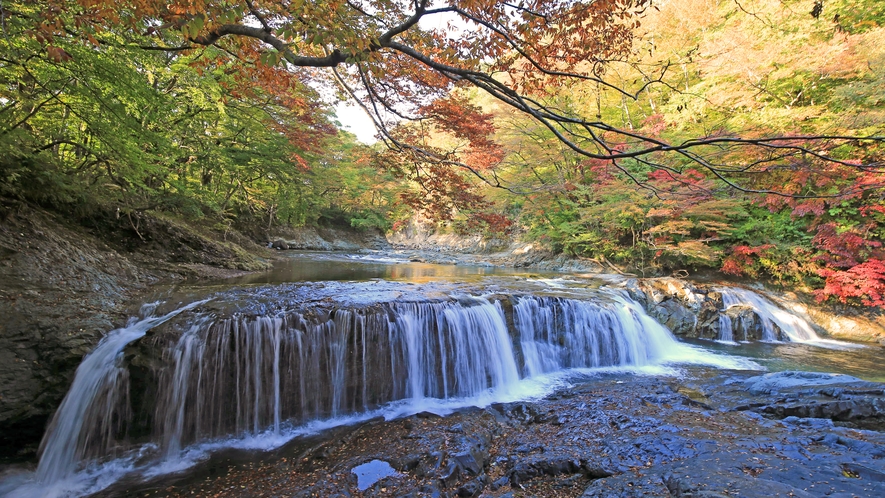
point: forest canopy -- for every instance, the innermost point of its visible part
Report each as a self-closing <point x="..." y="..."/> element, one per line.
<point x="739" y="135"/>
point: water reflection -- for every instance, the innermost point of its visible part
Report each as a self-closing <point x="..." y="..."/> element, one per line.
<point x="371" y="472"/>
<point x="318" y="266"/>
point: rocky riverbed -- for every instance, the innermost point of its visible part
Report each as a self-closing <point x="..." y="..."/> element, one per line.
<point x="705" y="433"/>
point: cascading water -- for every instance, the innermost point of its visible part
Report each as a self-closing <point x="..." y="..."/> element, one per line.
<point x="726" y="329"/>
<point x="557" y="333"/>
<point x="244" y="375"/>
<point x="88" y="410"/>
<point x="773" y="319"/>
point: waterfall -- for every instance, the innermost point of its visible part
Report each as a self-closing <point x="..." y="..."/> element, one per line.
<point x="83" y="424"/>
<point x="244" y="374"/>
<point x="558" y="333"/>
<point x="726" y="329"/>
<point x="770" y="315"/>
<point x="210" y="378"/>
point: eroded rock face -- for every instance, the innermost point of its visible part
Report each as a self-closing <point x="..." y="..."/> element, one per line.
<point x="867" y="325"/>
<point x="675" y="316"/>
<point x="708" y="324"/>
<point x="327" y="239"/>
<point x="746" y="325"/>
<point x="60" y="291"/>
<point x="685" y="309"/>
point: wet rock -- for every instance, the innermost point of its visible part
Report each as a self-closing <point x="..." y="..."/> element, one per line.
<point x="731" y="485"/>
<point x="773" y="383"/>
<point x="429" y="464"/>
<point x="472" y="488"/>
<point x="531" y="468"/>
<point x="708" y="323"/>
<point x="627" y="486"/>
<point x="468" y="462"/>
<point x="861" y="472"/>
<point x="714" y="299"/>
<point x="841" y="411"/>
<point x="472" y="457"/>
<point x="521" y="413"/>
<point x="811" y="423"/>
<point x="675" y="316"/>
<point x="745" y="323"/>
<point x="808" y="399"/>
<point x="625" y="444"/>
<point x="500" y="483"/>
<point x="662" y="289"/>
<point x="863" y="447"/>
<point x="451" y="475"/>
<point x="426" y="415"/>
<point x="529" y="448"/>
<point x="407" y="463"/>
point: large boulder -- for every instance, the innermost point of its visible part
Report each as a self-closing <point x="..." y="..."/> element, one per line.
<point x="709" y="322"/>
<point x="746" y="325"/>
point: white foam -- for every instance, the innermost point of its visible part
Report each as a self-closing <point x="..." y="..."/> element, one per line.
<point x="553" y="283"/>
<point x="375" y="258"/>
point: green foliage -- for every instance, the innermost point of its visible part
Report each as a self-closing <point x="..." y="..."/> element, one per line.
<point x="854" y="16"/>
<point x="760" y="68"/>
<point x="106" y="125"/>
<point x="766" y="227"/>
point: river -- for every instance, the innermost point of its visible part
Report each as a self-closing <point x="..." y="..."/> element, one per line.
<point x="327" y="340"/>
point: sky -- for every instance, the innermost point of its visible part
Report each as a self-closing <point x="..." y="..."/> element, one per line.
<point x="355" y="120"/>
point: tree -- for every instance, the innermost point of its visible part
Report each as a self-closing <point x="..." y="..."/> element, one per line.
<point x="399" y="58"/>
<point x="699" y="137"/>
<point x="104" y="124"/>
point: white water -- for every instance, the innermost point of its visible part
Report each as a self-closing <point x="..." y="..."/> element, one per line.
<point x="797" y="329"/>
<point x="557" y="333"/>
<point x="93" y="397"/>
<point x="258" y="382"/>
<point x="773" y="317"/>
<point x="726" y="330"/>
